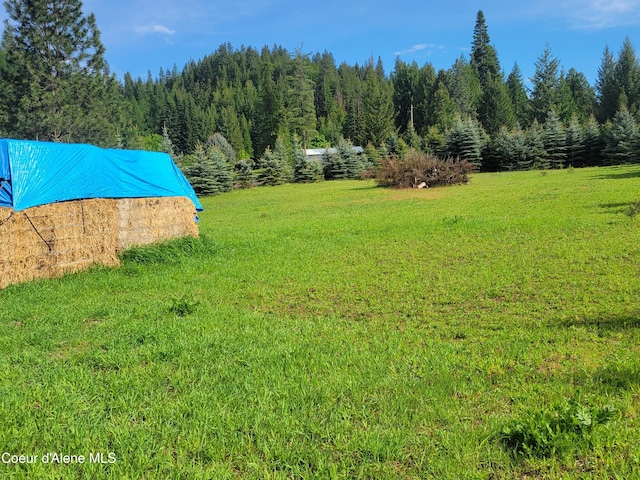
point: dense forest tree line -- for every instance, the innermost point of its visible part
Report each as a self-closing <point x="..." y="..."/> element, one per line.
<point x="265" y="106"/>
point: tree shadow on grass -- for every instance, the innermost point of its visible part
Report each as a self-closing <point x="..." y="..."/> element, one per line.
<point x="608" y="323"/>
<point x="619" y="207"/>
<point x="620" y="176"/>
<point x="620" y="370"/>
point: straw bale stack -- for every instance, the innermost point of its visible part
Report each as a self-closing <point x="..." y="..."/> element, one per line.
<point x="54" y="239"/>
<point x="148" y="220"/>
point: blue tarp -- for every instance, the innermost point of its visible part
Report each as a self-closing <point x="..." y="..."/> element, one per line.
<point x="37" y="173"/>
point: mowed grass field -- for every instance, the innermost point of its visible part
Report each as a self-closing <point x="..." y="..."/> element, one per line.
<point x="339" y="330"/>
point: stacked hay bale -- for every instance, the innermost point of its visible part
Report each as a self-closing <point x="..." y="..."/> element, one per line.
<point x="54" y="239"/>
<point x="148" y="220"/>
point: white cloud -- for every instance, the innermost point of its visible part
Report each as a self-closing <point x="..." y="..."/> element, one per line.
<point x="419" y="47"/>
<point x="583" y="14"/>
<point x="154" y="28"/>
<point x="598" y="14"/>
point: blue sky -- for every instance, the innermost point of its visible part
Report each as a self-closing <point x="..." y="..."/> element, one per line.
<point x="145" y="35"/>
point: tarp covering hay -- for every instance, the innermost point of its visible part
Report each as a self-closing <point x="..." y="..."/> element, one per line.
<point x="42" y="240"/>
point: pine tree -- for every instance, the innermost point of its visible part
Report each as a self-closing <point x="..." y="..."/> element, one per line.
<point x="167" y="144"/>
<point x="593" y="143"/>
<point x="299" y="102"/>
<point x="576" y="156"/>
<point x="201" y="173"/>
<point x="244" y="174"/>
<point x="484" y="58"/>
<point x="334" y="167"/>
<point x="465" y="140"/>
<point x="444" y="114"/>
<point x="627" y="72"/>
<point x="621" y="140"/>
<point x="546" y="84"/>
<point x="465" y="88"/>
<point x="61" y="88"/>
<point x="223" y="172"/>
<point x="607" y="88"/>
<point x="518" y="94"/>
<point x="537" y="157"/>
<point x="270" y="170"/>
<point x="577" y="97"/>
<point x="378" y="107"/>
<point x="555" y="140"/>
<point x="352" y="164"/>
<point x="305" y="169"/>
<point x="424" y="105"/>
<point x="217" y="140"/>
<point x="405" y="82"/>
<point x="209" y="173"/>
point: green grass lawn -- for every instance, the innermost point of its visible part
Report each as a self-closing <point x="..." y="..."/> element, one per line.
<point x="339" y="330"/>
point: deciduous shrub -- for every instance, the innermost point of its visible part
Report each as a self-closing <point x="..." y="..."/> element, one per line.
<point x="418" y="168"/>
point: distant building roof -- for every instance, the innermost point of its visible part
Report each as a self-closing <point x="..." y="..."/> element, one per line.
<point x="318" y="152"/>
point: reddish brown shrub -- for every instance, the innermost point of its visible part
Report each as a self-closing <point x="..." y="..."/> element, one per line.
<point x="417" y="168"/>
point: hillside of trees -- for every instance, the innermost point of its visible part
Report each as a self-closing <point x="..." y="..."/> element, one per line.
<point x="261" y="107"/>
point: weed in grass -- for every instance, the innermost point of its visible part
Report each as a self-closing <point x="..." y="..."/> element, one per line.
<point x="634" y="209"/>
<point x="183" y="306"/>
<point x="555" y="431"/>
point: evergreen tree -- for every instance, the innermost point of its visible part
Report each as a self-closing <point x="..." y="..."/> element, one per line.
<point x="270" y="170"/>
<point x="334" y="167"/>
<point x="352" y="164"/>
<point x="465" y="89"/>
<point x="351" y="85"/>
<point x="546" y="84"/>
<point x="576" y="155"/>
<point x="511" y="149"/>
<point x="607" y="88"/>
<point x="424" y="106"/>
<point x="223" y="172"/>
<point x="627" y="74"/>
<point x="405" y="82"/>
<point x="281" y="154"/>
<point x="269" y="112"/>
<point x="518" y="94"/>
<point x="537" y="157"/>
<point x="378" y="107"/>
<point x="496" y="108"/>
<point x="593" y="143"/>
<point x="244" y="174"/>
<point x="577" y="97"/>
<point x="555" y="140"/>
<point x="305" y="169"/>
<point x="299" y="102"/>
<point x="56" y="84"/>
<point x="484" y="58"/>
<point x="202" y="172"/>
<point x="465" y="140"/>
<point x="167" y="145"/>
<point x="621" y="140"/>
<point x="444" y="113"/>
<point x="328" y="98"/>
<point x="217" y="140"/>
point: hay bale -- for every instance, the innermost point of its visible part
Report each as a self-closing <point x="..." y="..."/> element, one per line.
<point x="149" y="220"/>
<point x="55" y="239"/>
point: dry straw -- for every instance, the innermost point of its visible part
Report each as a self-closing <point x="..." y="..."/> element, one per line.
<point x="55" y="239"/>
